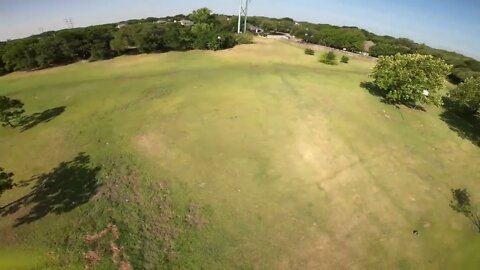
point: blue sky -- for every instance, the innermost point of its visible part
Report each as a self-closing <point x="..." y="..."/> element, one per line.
<point x="446" y="24"/>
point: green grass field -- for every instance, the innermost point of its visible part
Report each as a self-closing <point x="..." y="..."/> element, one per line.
<point x="259" y="157"/>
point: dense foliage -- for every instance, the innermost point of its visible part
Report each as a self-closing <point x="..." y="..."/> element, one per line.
<point x="466" y="96"/>
<point x="106" y="41"/>
<point x="344" y="59"/>
<point x="328" y="58"/>
<point x="411" y="78"/>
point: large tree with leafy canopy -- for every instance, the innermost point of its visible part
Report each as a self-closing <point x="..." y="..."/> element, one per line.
<point x="411" y="78"/>
<point x="203" y="15"/>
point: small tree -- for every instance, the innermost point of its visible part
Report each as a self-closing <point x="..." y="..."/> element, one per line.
<point x="467" y="95"/>
<point x="203" y="15"/>
<point x="10" y="111"/>
<point x="6" y="181"/>
<point x="344" y="59"/>
<point x="329" y="58"/>
<point x="411" y="78"/>
<point x="309" y="51"/>
<point x="461" y="204"/>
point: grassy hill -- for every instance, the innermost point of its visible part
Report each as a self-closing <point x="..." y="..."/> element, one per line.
<point x="256" y="157"/>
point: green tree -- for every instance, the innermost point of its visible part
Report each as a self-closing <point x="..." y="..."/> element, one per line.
<point x="344" y="59"/>
<point x="466" y="96"/>
<point x="74" y="43"/>
<point x="123" y="39"/>
<point x="460" y="203"/>
<point x="3" y="68"/>
<point x="20" y="54"/>
<point x="411" y="78"/>
<point x="328" y="58"/>
<point x="203" y="15"/>
<point x="203" y="35"/>
<point x="177" y="37"/>
<point x="148" y="38"/>
<point x="10" y="111"/>
<point x="6" y="181"/>
<point x="99" y="38"/>
<point x="48" y="52"/>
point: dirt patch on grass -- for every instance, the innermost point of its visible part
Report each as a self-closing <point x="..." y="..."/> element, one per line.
<point x="194" y="217"/>
<point x="118" y="256"/>
<point x="152" y="143"/>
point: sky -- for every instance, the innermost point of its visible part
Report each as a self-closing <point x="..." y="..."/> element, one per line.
<point x="445" y="24"/>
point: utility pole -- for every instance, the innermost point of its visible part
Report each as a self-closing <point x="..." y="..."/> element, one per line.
<point x="240" y="10"/>
<point x="243" y="11"/>
<point x="246" y="16"/>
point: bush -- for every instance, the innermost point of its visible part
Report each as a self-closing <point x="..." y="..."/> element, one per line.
<point x="411" y="78"/>
<point x="222" y="41"/>
<point x="309" y="51"/>
<point x="328" y="58"/>
<point x="244" y="38"/>
<point x="466" y="96"/>
<point x="345" y="59"/>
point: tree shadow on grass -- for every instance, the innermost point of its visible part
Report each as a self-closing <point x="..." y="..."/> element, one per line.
<point x="30" y="121"/>
<point x="377" y="92"/>
<point x="466" y="125"/>
<point x="66" y="187"/>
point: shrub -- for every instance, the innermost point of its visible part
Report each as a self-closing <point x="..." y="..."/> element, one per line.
<point x="309" y="51"/>
<point x="466" y="96"/>
<point x="345" y="59"/>
<point x="244" y="38"/>
<point x="411" y="78"/>
<point x="328" y="58"/>
<point x="222" y="41"/>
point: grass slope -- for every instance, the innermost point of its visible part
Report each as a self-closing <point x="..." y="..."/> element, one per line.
<point x="255" y="157"/>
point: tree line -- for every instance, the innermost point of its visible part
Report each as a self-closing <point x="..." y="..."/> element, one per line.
<point x="212" y="32"/>
<point x="355" y="39"/>
<point x="110" y="40"/>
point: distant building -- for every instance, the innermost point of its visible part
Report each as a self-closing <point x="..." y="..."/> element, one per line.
<point x="186" y="23"/>
<point x="161" y="21"/>
<point x="278" y="36"/>
<point x="281" y="36"/>
<point x="121" y="25"/>
<point x="256" y="30"/>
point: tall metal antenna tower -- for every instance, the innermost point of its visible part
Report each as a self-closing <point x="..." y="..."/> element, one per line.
<point x="243" y="11"/>
<point x="69" y="22"/>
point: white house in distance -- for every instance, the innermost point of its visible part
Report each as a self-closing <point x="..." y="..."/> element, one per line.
<point x="255" y="30"/>
<point x="186" y="23"/>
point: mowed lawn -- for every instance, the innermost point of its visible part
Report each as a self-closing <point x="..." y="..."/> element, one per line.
<point x="280" y="161"/>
